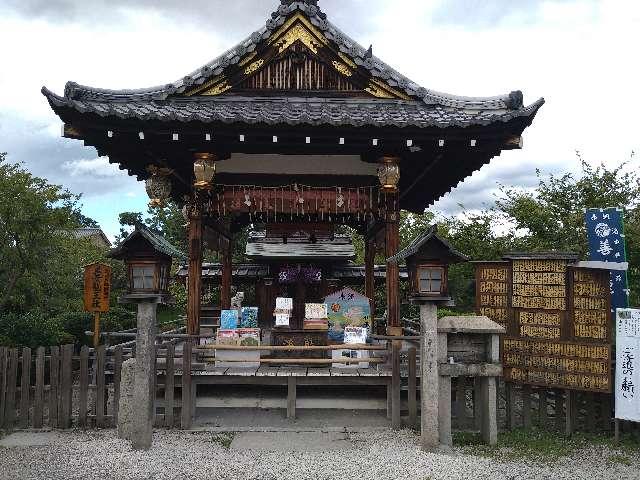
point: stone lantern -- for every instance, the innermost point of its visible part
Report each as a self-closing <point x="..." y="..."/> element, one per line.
<point x="428" y="258"/>
<point x="147" y="257"/>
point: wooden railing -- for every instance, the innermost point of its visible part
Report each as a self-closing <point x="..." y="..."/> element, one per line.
<point x="56" y="387"/>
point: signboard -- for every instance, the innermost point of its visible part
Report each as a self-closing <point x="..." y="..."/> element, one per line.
<point x="315" y="310"/>
<point x="627" y="392"/>
<point x="557" y="364"/>
<point x="605" y="231"/>
<point x="348" y="307"/>
<point x="97" y="288"/>
<point x="557" y="320"/>
<point x="590" y="305"/>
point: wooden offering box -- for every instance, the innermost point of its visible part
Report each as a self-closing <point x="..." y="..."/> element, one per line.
<point x="307" y="338"/>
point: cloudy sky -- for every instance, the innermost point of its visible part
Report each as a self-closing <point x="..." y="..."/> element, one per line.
<point x="581" y="55"/>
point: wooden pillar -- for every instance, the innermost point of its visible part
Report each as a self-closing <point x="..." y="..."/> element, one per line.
<point x="227" y="273"/>
<point x="392" y="244"/>
<point x="369" y="278"/>
<point x="194" y="290"/>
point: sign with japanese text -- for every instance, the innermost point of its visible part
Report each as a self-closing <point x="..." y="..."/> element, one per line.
<point x="627" y="367"/>
<point x="493" y="282"/>
<point x="605" y="232"/>
<point x="97" y="287"/>
<point x="557" y="320"/>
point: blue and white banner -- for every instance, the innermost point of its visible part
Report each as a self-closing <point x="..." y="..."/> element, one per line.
<point x="605" y="232"/>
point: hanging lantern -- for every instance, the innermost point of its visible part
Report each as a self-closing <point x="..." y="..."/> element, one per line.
<point x="158" y="186"/>
<point x="204" y="170"/>
<point x="389" y="174"/>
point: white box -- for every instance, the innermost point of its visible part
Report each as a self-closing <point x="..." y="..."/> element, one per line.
<point x="346" y="353"/>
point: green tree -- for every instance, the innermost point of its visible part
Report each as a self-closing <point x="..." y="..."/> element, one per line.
<point x="551" y="217"/>
<point x="35" y="223"/>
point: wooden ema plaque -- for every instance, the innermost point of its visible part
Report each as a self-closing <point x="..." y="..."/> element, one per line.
<point x="493" y="284"/>
<point x="558" y="322"/>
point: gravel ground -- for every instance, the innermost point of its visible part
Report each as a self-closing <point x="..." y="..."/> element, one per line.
<point x="379" y="455"/>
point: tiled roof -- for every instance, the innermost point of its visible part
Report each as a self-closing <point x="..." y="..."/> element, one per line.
<point x="430" y="234"/>
<point x="293" y="111"/>
<point x="92" y="233"/>
<point x="549" y="255"/>
<point x="261" y="247"/>
<point x="158" y="242"/>
<point x="429" y="108"/>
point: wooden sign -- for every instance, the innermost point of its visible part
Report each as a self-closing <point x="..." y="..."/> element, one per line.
<point x="557" y="364"/>
<point x="97" y="288"/>
<point x="557" y="319"/>
<point x="590" y="305"/>
<point x="493" y="283"/>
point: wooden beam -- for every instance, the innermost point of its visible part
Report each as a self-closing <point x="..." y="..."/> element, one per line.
<point x="194" y="290"/>
<point x="369" y="278"/>
<point x="227" y="272"/>
<point x="421" y="176"/>
<point x="392" y="245"/>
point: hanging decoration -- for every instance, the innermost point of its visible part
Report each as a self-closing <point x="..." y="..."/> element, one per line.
<point x="294" y="274"/>
<point x="296" y="201"/>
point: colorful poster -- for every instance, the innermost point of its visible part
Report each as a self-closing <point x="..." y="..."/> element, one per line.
<point x="605" y="231"/>
<point x="315" y="311"/>
<point x="348" y="308"/>
<point x="249" y="317"/>
<point x="229" y="319"/>
<point x="627" y="392"/>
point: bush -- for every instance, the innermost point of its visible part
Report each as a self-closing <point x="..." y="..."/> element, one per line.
<point x="32" y="329"/>
<point x="75" y="324"/>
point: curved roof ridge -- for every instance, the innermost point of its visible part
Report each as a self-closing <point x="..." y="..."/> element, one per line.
<point x="362" y="57"/>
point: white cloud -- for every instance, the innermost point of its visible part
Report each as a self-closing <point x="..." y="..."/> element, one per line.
<point x="97" y="167"/>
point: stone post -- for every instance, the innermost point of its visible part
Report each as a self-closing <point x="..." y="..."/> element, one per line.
<point x="488" y="395"/>
<point x="142" y="413"/>
<point x="145" y="376"/>
<point x="444" y="400"/>
<point x="430" y="391"/>
<point x="126" y="410"/>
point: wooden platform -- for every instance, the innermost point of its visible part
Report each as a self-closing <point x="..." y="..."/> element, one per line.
<point x="314" y="372"/>
<point x="290" y="377"/>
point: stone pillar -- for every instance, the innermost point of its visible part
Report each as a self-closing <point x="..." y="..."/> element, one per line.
<point x="126" y="407"/>
<point x="145" y="376"/>
<point x="444" y="397"/>
<point x="488" y="395"/>
<point x="430" y="391"/>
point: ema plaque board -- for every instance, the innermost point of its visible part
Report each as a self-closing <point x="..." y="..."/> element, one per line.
<point x="556" y="315"/>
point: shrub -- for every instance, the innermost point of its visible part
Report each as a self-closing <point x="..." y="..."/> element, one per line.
<point x="32" y="329"/>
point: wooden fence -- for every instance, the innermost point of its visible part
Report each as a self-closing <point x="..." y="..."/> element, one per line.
<point x="56" y="388"/>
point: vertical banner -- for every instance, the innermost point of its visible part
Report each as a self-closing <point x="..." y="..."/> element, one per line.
<point x="605" y="232"/>
<point x="627" y="392"/>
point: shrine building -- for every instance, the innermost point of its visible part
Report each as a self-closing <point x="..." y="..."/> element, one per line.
<point x="300" y="130"/>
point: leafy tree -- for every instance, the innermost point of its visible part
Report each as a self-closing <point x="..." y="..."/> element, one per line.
<point x="551" y="217"/>
<point x="35" y="221"/>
